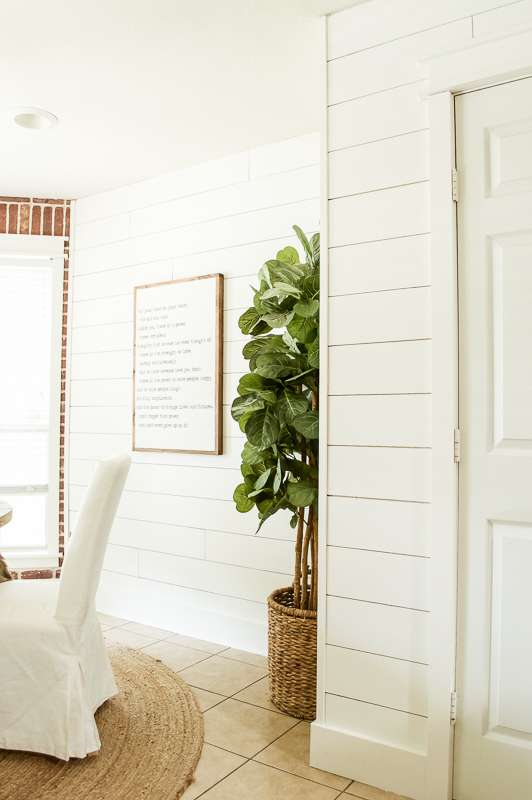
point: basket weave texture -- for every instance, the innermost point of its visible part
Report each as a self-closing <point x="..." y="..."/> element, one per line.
<point x="292" y="655"/>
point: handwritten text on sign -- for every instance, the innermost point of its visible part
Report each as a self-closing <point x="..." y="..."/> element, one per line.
<point x="177" y="379"/>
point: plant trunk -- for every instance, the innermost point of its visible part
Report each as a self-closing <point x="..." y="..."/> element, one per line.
<point x="297" y="566"/>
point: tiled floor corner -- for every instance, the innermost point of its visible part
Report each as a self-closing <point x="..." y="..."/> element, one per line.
<point x="252" y="750"/>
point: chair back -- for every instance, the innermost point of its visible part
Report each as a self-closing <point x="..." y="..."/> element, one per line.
<point x="80" y="574"/>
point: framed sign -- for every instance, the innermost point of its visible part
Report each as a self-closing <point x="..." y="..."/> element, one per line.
<point x="178" y="366"/>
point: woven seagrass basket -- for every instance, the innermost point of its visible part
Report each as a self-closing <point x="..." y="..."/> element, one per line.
<point x="292" y="655"/>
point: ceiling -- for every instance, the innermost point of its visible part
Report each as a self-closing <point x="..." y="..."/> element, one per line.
<point x="141" y="88"/>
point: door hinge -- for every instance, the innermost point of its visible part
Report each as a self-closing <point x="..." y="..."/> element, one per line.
<point x="453" y="708"/>
<point x="454" y="184"/>
<point x="457" y="446"/>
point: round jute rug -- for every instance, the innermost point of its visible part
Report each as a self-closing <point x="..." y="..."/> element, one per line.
<point x="151" y="733"/>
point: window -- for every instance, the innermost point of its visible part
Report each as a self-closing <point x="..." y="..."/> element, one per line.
<point x="31" y="277"/>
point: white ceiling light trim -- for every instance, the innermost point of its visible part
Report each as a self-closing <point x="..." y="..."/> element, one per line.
<point x="35" y="119"/>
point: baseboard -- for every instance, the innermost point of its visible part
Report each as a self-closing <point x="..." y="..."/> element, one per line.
<point x="229" y="621"/>
<point x="368" y="761"/>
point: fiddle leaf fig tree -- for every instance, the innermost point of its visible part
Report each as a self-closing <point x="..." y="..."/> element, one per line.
<point x="277" y="403"/>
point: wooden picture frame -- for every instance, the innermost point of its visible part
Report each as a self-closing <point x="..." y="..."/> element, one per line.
<point x="208" y="426"/>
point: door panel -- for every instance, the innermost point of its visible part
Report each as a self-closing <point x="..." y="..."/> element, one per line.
<point x="493" y="741"/>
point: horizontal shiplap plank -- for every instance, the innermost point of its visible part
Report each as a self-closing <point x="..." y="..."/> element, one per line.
<point x="500" y="21"/>
<point x="399" y="314"/>
<point x="106" y="392"/>
<point x="248" y="584"/>
<point x="376" y="679"/>
<point x="254" y="552"/>
<point x="392" y="367"/>
<point x="189" y="181"/>
<point x="298" y="184"/>
<point x="102" y="338"/>
<point x="121" y="559"/>
<point x="376" y="266"/>
<point x="101" y="231"/>
<point x="387" y="578"/>
<point x="195" y="512"/>
<point x="377" y="723"/>
<point x="105" y="445"/>
<point x="377" y="628"/>
<point x="255" y="226"/>
<point x="390" y="162"/>
<point x="392" y="473"/>
<point x="102" y="366"/>
<point x="384" y="214"/>
<point x="109" y="282"/>
<point x="289" y="154"/>
<point x="368" y="24"/>
<point x="383" y="420"/>
<point x="392" y="64"/>
<point x="387" y="525"/>
<point x="166" y="479"/>
<point x="103" y="310"/>
<point x="173" y="539"/>
<point x="378" y="116"/>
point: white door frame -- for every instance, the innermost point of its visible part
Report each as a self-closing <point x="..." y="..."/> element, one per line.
<point x="474" y="67"/>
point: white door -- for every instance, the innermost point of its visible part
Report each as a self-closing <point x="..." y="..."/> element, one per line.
<point x="493" y="741"/>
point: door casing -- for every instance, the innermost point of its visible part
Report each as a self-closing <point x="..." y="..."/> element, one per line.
<point x="472" y="68"/>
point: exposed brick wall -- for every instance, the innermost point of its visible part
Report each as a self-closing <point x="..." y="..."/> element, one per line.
<point x="37" y="216"/>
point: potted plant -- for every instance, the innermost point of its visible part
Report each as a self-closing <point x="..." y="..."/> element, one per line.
<point x="277" y="409"/>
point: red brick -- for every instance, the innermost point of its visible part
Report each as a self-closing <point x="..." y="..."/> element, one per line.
<point x="36" y="573"/>
<point x="24" y="225"/>
<point x="58" y="222"/>
<point x="47" y="221"/>
<point x="13" y="218"/>
<point x="36" y="220"/>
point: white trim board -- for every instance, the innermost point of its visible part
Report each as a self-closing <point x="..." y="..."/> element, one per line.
<point x="368" y="761"/>
<point x="479" y="65"/>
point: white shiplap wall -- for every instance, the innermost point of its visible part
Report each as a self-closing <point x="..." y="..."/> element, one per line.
<point x="374" y="674"/>
<point x="181" y="556"/>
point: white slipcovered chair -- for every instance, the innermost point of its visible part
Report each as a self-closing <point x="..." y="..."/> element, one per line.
<point x="54" y="668"/>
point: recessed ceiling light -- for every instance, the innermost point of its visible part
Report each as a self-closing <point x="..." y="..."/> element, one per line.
<point x="35" y="119"/>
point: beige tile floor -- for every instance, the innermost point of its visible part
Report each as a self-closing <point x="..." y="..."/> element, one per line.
<point x="251" y="750"/>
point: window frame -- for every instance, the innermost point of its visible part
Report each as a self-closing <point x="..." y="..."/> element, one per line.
<point x="40" y="251"/>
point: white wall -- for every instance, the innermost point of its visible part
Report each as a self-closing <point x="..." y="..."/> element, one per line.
<point x="181" y="556"/>
<point x="376" y="617"/>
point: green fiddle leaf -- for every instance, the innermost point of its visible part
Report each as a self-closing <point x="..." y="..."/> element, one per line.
<point x="244" y="405"/>
<point x="315" y="248"/>
<point x="278" y="477"/>
<point x="308" y="308"/>
<point x="262" y="480"/>
<point x="292" y="404"/>
<point x="279" y="319"/>
<point x="303" y="329"/>
<point x="262" y="429"/>
<point x="302" y="493"/>
<point x="251" y="383"/>
<point x="304" y="241"/>
<point x="288" y="255"/>
<point x="242" y="501"/>
<point x="248" y="320"/>
<point x="251" y="454"/>
<point x="307" y="424"/>
<point x="276" y="365"/>
<point x="314" y="353"/>
<point x="287" y="289"/>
